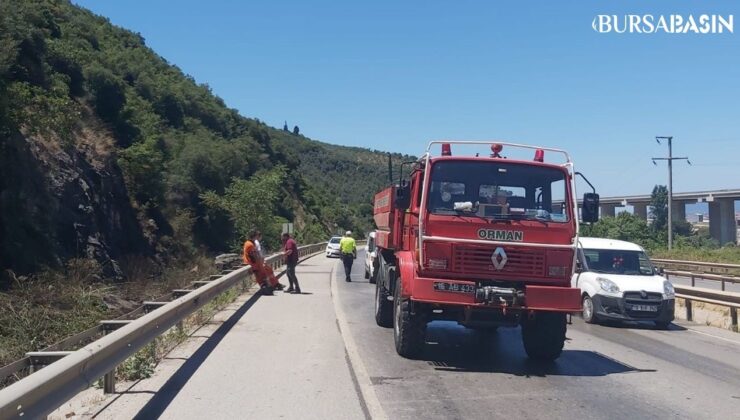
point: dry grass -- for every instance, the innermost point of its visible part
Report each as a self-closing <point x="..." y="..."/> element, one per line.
<point x="42" y="309"/>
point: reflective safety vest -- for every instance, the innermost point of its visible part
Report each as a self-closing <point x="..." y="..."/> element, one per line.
<point x="347" y="245"/>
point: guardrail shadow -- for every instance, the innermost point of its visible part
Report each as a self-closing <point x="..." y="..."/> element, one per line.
<point x="167" y="393"/>
<point x="456" y="349"/>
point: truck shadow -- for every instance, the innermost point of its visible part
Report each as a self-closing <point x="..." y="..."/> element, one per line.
<point x="454" y="349"/>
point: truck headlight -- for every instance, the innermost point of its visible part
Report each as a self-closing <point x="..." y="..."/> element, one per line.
<point x="668" y="289"/>
<point x="607" y="285"/>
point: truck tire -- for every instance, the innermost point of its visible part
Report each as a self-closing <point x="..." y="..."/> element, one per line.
<point x="367" y="273"/>
<point x="408" y="329"/>
<point x="383" y="307"/>
<point x="544" y="335"/>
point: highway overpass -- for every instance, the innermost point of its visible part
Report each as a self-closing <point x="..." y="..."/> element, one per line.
<point x="722" y="221"/>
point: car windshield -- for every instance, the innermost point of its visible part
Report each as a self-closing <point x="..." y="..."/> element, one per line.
<point x="499" y="190"/>
<point x="334" y="240"/>
<point x="610" y="261"/>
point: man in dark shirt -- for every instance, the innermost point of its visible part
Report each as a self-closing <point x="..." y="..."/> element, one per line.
<point x="291" y="260"/>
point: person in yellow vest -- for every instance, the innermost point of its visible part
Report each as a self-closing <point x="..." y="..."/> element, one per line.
<point x="348" y="249"/>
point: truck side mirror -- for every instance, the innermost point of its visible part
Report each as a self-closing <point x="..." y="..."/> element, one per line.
<point x="403" y="196"/>
<point x="590" y="208"/>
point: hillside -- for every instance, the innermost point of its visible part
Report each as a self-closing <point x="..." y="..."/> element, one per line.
<point x="109" y="151"/>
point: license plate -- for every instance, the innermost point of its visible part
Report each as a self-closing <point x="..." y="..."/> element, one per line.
<point x="645" y="308"/>
<point x="453" y="287"/>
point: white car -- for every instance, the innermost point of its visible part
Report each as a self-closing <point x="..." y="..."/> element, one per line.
<point x="619" y="283"/>
<point x="332" y="248"/>
<point x="370" y="254"/>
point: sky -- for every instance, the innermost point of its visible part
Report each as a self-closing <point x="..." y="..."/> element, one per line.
<point x="393" y="75"/>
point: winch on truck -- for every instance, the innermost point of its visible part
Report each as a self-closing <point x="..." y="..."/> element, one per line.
<point x="483" y="240"/>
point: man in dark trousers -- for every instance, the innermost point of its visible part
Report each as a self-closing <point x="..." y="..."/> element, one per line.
<point x="348" y="248"/>
<point x="291" y="260"/>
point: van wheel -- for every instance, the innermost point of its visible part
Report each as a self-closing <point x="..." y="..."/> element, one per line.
<point x="409" y="329"/>
<point x="367" y="273"/>
<point x="544" y="335"/>
<point x="588" y="312"/>
<point x="383" y="307"/>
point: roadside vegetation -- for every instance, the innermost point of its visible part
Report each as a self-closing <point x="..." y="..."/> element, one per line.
<point x="121" y="176"/>
<point x="688" y="243"/>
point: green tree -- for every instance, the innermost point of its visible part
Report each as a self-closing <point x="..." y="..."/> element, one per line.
<point x="659" y="204"/>
<point x="625" y="227"/>
<point x="253" y="203"/>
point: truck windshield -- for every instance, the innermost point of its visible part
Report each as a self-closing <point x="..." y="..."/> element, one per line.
<point x="615" y="261"/>
<point x="499" y="190"/>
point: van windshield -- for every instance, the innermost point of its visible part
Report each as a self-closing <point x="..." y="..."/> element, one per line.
<point x="610" y="261"/>
<point x="499" y="190"/>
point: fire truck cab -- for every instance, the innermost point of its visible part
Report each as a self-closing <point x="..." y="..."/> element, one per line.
<point x="486" y="241"/>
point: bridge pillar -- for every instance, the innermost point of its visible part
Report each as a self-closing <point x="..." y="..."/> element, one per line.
<point x="608" y="210"/>
<point x="679" y="210"/>
<point x="722" y="225"/>
<point x="640" y="210"/>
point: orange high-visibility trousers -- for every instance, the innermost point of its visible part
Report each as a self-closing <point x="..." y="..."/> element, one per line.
<point x="263" y="274"/>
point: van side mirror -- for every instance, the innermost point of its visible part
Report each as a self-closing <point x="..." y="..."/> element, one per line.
<point x="659" y="271"/>
<point x="590" y="208"/>
<point x="403" y="195"/>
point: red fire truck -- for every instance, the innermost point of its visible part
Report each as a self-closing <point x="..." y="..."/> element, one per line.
<point x="483" y="240"/>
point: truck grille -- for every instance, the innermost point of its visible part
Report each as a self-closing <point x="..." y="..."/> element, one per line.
<point x="471" y="259"/>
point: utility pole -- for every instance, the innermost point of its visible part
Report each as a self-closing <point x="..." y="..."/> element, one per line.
<point x="670" y="160"/>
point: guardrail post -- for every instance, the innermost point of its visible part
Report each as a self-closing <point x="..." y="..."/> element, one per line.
<point x="733" y="318"/>
<point x="689" y="314"/>
<point x="723" y="284"/>
<point x="109" y="380"/>
<point x="692" y="281"/>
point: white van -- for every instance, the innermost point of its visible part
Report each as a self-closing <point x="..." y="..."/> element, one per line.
<point x="618" y="282"/>
<point x="370" y="254"/>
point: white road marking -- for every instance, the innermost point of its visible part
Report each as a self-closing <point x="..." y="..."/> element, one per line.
<point x="363" y="378"/>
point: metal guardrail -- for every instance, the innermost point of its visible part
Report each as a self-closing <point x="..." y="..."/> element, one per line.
<point x="715" y="297"/>
<point x="697" y="294"/>
<point x="709" y="267"/>
<point x="700" y="270"/>
<point x="704" y="276"/>
<point x="69" y="372"/>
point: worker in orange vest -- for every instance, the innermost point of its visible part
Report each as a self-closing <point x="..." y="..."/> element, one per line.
<point x="263" y="273"/>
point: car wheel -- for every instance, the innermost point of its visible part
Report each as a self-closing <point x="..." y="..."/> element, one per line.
<point x="367" y="273"/>
<point x="588" y="313"/>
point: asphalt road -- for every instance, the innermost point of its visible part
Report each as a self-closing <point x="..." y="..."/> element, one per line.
<point x="320" y="355"/>
<point x="605" y="372"/>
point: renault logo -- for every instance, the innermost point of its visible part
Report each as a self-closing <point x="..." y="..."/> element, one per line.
<point x="498" y="258"/>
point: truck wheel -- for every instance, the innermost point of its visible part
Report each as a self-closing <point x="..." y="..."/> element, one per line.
<point x="367" y="273"/>
<point x="588" y="313"/>
<point x="383" y="307"/>
<point x="544" y="336"/>
<point x="408" y="329"/>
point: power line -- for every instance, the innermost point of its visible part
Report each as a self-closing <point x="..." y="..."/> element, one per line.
<point x="670" y="160"/>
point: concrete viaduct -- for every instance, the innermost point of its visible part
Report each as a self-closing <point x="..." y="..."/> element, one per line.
<point x="722" y="223"/>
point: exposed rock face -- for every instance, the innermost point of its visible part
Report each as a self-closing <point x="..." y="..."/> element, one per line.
<point x="67" y="202"/>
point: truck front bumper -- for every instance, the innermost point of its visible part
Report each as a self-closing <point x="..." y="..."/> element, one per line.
<point x="535" y="297"/>
<point x="619" y="309"/>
